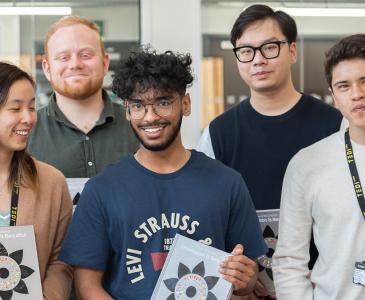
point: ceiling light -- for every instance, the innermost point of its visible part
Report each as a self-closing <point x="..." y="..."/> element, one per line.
<point x="36" y="10"/>
<point x="323" y="12"/>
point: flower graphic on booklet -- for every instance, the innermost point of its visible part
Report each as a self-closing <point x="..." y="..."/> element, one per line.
<point x="191" y="285"/>
<point x="265" y="261"/>
<point x="12" y="273"/>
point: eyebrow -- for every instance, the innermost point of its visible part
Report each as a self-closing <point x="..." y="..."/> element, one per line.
<point x="272" y="39"/>
<point x="19" y="101"/>
<point x="347" y="81"/>
<point x="66" y="51"/>
<point x="340" y="82"/>
<point x="154" y="99"/>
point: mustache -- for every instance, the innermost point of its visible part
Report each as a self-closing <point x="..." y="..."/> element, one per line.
<point x="148" y="124"/>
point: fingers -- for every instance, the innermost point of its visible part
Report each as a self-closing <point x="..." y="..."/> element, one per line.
<point x="238" y="249"/>
<point x="238" y="269"/>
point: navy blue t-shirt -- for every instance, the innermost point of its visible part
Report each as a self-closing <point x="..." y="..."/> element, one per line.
<point x="260" y="147"/>
<point x="128" y="215"/>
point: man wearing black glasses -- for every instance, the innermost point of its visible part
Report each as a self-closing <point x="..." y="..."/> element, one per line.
<point x="128" y="215"/>
<point x="259" y="136"/>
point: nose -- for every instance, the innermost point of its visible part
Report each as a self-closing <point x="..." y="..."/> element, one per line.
<point x="358" y="91"/>
<point x="29" y="117"/>
<point x="258" y="58"/>
<point x="150" y="114"/>
<point x="75" y="62"/>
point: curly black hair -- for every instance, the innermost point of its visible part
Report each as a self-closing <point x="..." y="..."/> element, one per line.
<point x="144" y="69"/>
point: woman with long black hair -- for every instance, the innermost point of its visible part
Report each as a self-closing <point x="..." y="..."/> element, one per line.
<point x="31" y="192"/>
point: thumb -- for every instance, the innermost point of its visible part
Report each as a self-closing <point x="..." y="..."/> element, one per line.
<point x="238" y="249"/>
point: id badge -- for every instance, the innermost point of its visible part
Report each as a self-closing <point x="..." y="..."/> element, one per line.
<point x="359" y="273"/>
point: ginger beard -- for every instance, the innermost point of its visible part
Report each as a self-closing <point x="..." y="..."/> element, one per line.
<point x="79" y="90"/>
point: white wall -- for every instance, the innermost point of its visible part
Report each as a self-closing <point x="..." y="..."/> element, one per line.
<point x="219" y="20"/>
<point x="175" y="25"/>
<point x="10" y="38"/>
<point x="121" y="22"/>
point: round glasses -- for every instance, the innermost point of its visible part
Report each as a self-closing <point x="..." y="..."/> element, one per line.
<point x="161" y="107"/>
<point x="268" y="50"/>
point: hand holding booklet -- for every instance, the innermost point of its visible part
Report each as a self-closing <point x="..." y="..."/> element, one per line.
<point x="191" y="272"/>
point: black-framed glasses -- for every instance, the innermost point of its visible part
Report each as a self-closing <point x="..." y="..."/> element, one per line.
<point x="162" y="106"/>
<point x="268" y="50"/>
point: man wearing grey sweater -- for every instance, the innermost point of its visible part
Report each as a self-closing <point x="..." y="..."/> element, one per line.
<point x="322" y="191"/>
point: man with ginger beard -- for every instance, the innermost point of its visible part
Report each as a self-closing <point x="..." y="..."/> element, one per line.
<point x="81" y="130"/>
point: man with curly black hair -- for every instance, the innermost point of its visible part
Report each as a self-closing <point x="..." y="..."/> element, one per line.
<point x="129" y="214"/>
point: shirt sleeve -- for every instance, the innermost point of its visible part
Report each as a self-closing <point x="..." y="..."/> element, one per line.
<point x="244" y="226"/>
<point x="205" y="144"/>
<point x="290" y="261"/>
<point x="86" y="244"/>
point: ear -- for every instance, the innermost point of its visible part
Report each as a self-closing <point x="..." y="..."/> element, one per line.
<point x="293" y="52"/>
<point x="46" y="68"/>
<point x="106" y="62"/>
<point x="186" y="105"/>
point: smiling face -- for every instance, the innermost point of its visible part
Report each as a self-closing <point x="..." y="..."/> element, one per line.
<point x="159" y="133"/>
<point x="17" y="117"/>
<point x="261" y="74"/>
<point x="348" y="91"/>
<point x="76" y="64"/>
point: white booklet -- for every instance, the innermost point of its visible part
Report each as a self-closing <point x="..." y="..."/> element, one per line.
<point x="191" y="272"/>
<point x="75" y="186"/>
<point x="19" y="270"/>
<point x="269" y="221"/>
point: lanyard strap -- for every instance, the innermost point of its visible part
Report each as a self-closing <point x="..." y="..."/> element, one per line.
<point x="14" y="204"/>
<point x="354" y="174"/>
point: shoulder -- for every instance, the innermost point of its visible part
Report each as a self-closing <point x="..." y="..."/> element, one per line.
<point x="318" y="154"/>
<point x="47" y="173"/>
<point x="231" y="117"/>
<point x="215" y="168"/>
<point x="320" y="105"/>
<point x="115" y="172"/>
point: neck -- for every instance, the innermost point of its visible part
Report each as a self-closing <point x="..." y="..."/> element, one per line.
<point x="274" y="103"/>
<point x="357" y="135"/>
<point x="166" y="161"/>
<point x="82" y="113"/>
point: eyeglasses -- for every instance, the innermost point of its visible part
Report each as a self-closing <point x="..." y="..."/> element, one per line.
<point x="161" y="107"/>
<point x="268" y="50"/>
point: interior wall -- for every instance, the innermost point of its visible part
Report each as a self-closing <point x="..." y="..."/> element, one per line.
<point x="219" y="20"/>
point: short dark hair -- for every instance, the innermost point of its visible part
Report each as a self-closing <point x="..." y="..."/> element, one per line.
<point x="258" y="12"/>
<point x="144" y="69"/>
<point x="22" y="167"/>
<point x="349" y="47"/>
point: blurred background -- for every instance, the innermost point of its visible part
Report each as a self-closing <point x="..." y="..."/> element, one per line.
<point x="201" y="27"/>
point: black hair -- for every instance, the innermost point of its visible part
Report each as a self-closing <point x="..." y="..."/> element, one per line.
<point x="22" y="167"/>
<point x="144" y="69"/>
<point x="349" y="47"/>
<point x="259" y="12"/>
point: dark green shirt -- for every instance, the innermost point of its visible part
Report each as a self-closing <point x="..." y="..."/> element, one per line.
<point x="58" y="142"/>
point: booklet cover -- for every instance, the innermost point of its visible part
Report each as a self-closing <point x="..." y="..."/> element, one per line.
<point x="75" y="186"/>
<point x="19" y="270"/>
<point x="269" y="221"/>
<point x="191" y="272"/>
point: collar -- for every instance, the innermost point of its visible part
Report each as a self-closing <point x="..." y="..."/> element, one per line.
<point x="107" y="114"/>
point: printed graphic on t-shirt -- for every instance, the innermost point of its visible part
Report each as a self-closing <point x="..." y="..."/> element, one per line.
<point x="146" y="231"/>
